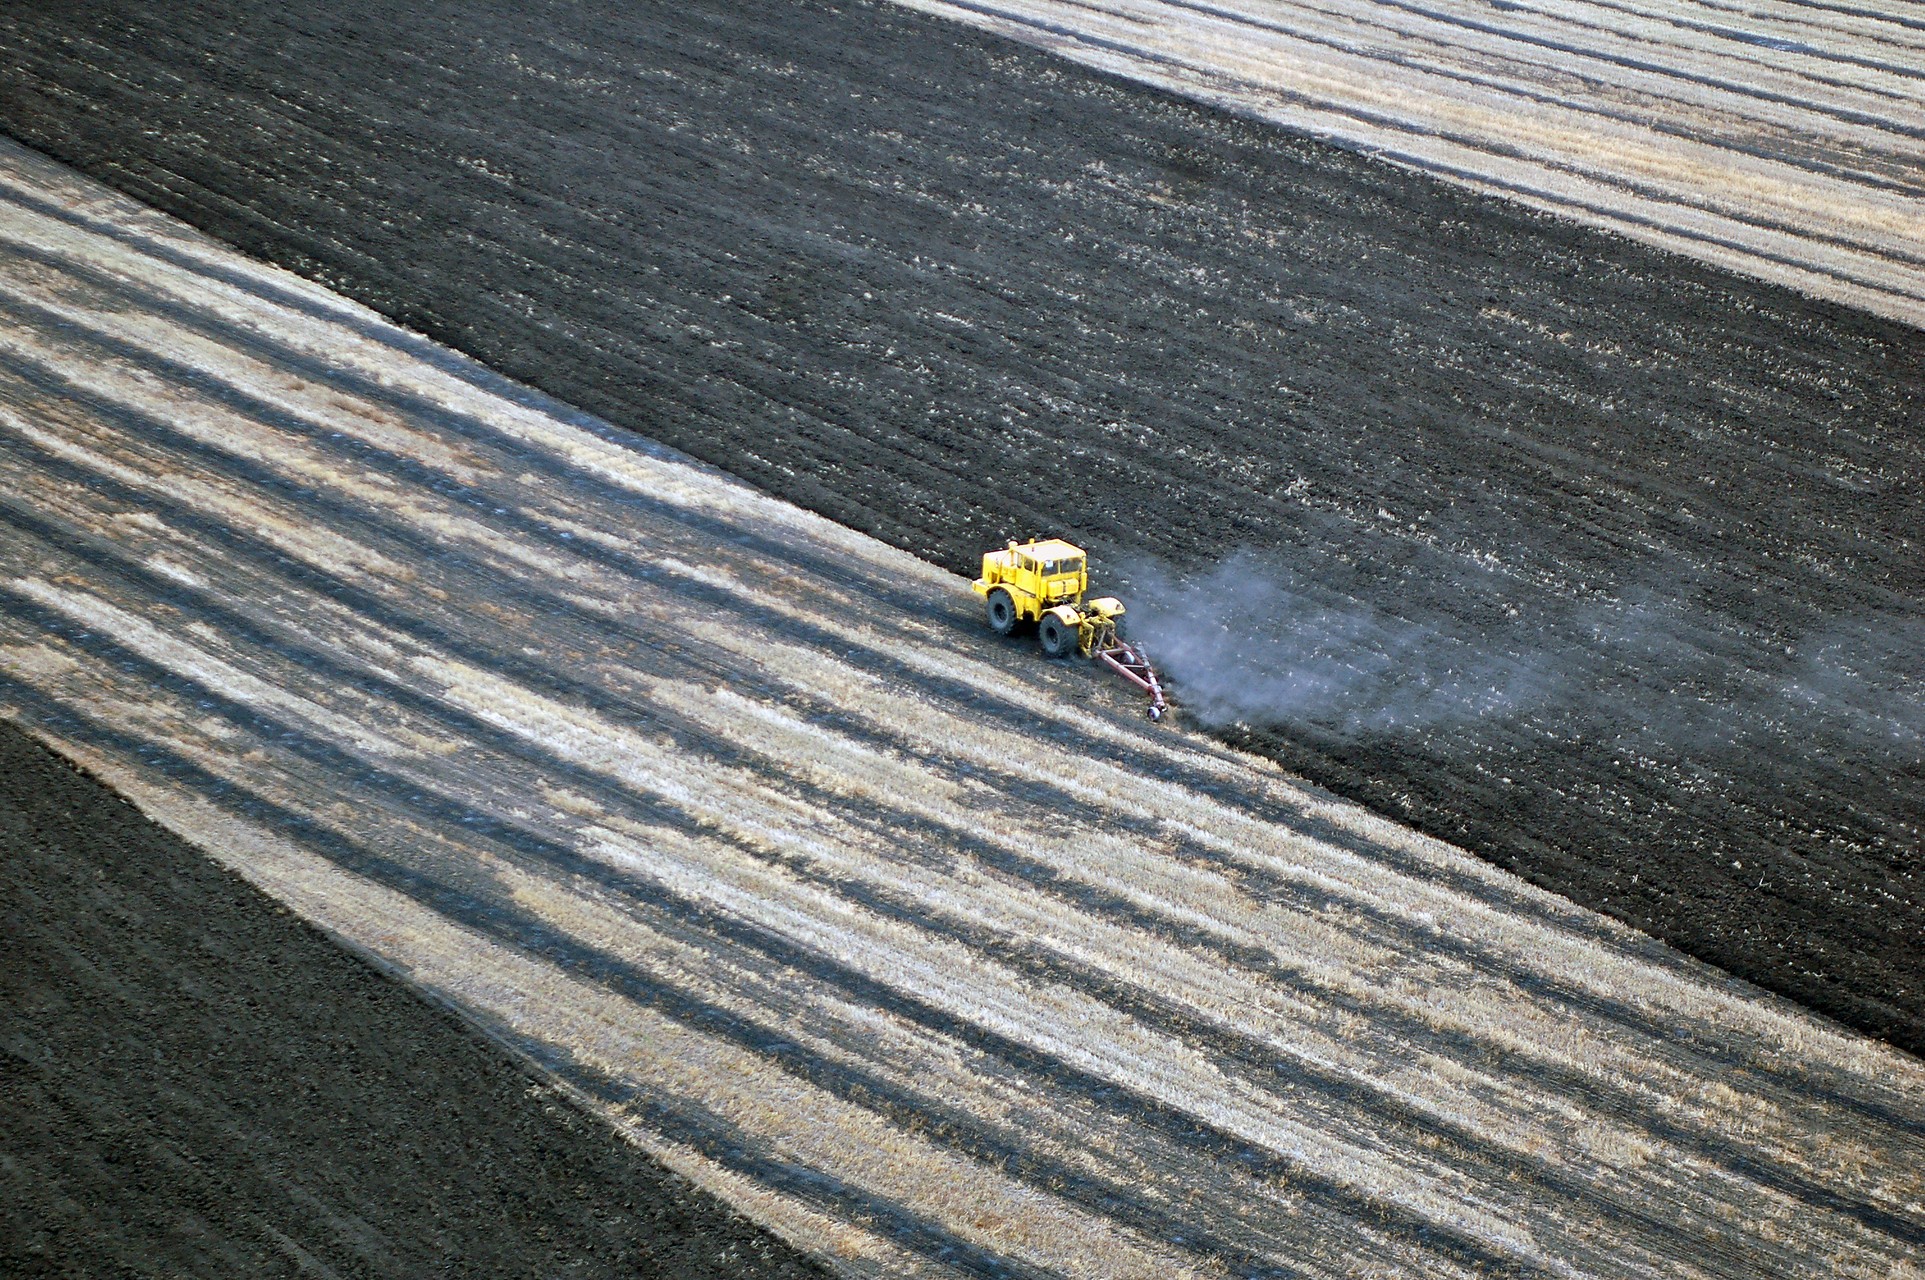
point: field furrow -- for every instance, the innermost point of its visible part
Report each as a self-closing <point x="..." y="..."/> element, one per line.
<point x="1784" y="142"/>
<point x="933" y="956"/>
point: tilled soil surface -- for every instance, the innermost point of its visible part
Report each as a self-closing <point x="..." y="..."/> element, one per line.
<point x="196" y="1082"/>
<point x="1781" y="141"/>
<point x="935" y="957"/>
<point x="1613" y="559"/>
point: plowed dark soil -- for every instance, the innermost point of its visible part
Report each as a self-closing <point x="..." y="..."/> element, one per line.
<point x="195" y="1082"/>
<point x="947" y="290"/>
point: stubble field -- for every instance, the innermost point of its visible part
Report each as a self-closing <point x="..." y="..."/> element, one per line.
<point x="1597" y="562"/>
<point x="1610" y="560"/>
<point x="1779" y="138"/>
<point x="936" y="959"/>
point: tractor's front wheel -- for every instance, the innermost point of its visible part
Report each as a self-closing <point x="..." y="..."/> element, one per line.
<point x="1058" y="637"/>
<point x="1002" y="612"/>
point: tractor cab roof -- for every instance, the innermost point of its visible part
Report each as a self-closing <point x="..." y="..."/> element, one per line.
<point x="1050" y="549"/>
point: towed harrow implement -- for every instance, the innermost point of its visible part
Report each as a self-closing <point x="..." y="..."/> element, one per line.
<point x="1130" y="662"/>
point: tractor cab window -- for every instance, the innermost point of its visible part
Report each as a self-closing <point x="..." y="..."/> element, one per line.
<point x="1052" y="568"/>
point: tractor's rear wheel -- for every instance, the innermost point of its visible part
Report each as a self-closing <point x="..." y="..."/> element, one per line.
<point x="1002" y="612"/>
<point x="1058" y="637"/>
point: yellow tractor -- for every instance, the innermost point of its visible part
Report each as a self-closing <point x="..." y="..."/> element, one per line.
<point x="1043" y="582"/>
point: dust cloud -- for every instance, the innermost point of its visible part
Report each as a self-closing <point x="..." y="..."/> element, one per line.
<point x="1254" y="642"/>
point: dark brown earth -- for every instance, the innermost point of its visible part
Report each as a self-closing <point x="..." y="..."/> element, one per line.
<point x="195" y="1082"/>
<point x="1602" y="563"/>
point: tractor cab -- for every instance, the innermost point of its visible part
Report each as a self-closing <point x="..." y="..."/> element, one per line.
<point x="1058" y="571"/>
<point x="1032" y="577"/>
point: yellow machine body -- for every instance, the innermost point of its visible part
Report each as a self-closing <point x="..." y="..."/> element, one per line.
<point x="1044" y="582"/>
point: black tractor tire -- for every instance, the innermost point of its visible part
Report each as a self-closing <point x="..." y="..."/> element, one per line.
<point x="1002" y="612"/>
<point x="1059" y="638"/>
